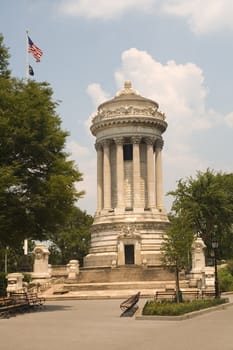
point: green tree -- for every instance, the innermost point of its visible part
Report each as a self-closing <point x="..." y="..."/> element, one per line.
<point x="37" y="180"/>
<point x="4" y="57"/>
<point x="12" y="259"/>
<point x="177" y="246"/>
<point x="207" y="201"/>
<point x="73" y="241"/>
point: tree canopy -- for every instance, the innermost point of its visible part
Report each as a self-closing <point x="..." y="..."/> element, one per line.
<point x="37" y="179"/>
<point x="177" y="243"/>
<point x="72" y="242"/>
<point x="207" y="202"/>
<point x="176" y="247"/>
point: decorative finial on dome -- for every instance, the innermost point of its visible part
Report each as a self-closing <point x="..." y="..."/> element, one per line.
<point x="128" y="84"/>
<point x="127" y="90"/>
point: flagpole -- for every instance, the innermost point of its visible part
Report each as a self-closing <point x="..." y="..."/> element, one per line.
<point x="27" y="77"/>
<point x="27" y="58"/>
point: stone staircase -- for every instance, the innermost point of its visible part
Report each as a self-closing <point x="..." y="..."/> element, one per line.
<point x="122" y="282"/>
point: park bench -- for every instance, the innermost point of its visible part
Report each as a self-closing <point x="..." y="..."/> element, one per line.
<point x="19" y="303"/>
<point x="170" y="294"/>
<point x="4" y="301"/>
<point x="166" y="294"/>
<point x="31" y="298"/>
<point x="191" y="294"/>
<point x="207" y="293"/>
<point x="9" y="307"/>
<point x="128" y="306"/>
<point x="187" y="294"/>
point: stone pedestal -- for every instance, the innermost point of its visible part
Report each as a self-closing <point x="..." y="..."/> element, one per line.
<point x="73" y="269"/>
<point x="198" y="263"/>
<point x="208" y="278"/>
<point x="14" y="282"/>
<point x="41" y="266"/>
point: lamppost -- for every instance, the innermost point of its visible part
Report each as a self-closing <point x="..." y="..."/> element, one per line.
<point x="216" y="286"/>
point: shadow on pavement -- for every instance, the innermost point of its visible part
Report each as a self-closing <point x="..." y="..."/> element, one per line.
<point x="51" y="308"/>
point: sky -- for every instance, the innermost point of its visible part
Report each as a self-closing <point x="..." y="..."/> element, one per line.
<point x="176" y="52"/>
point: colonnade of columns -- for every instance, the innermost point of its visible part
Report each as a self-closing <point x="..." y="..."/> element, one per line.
<point x="153" y="170"/>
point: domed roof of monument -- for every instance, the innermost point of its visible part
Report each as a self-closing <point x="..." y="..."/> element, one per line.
<point x="128" y="108"/>
<point x="126" y="95"/>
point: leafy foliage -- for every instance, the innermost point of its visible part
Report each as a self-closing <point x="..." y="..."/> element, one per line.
<point x="4" y="57"/>
<point x="225" y="279"/>
<point x="73" y="241"/>
<point x="14" y="258"/>
<point x="177" y="242"/>
<point x="207" y="202"/>
<point x="177" y="246"/>
<point x="37" y="180"/>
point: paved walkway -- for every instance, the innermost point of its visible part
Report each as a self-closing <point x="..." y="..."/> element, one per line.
<point x="97" y="325"/>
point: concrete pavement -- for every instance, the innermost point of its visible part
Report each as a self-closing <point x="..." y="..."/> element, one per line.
<point x="97" y="325"/>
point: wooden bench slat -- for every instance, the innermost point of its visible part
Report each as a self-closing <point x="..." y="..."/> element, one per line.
<point x="130" y="302"/>
<point x="19" y="302"/>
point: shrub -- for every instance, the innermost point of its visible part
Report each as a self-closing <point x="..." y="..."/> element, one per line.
<point x="225" y="280"/>
<point x="230" y="266"/>
<point x="27" y="277"/>
<point x="171" y="308"/>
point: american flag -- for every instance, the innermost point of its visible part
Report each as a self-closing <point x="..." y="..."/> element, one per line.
<point x="34" y="50"/>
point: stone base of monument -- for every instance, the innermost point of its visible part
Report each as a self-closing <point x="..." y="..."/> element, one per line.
<point x="40" y="276"/>
<point x="119" y="274"/>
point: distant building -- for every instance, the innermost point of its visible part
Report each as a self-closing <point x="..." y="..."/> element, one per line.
<point x="130" y="218"/>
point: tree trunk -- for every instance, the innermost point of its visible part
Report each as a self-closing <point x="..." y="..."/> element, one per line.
<point x="177" y="285"/>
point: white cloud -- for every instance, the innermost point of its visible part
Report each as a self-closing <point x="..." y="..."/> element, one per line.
<point x="97" y="94"/>
<point x="202" y="17"/>
<point x="179" y="88"/>
<point x="77" y="150"/>
<point x="104" y="9"/>
<point x="179" y="161"/>
<point x="229" y="120"/>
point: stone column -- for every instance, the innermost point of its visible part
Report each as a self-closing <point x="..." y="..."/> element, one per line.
<point x="99" y="150"/>
<point x="159" y="174"/>
<point x="107" y="175"/>
<point x="136" y="172"/>
<point x="120" y="173"/>
<point x="150" y="172"/>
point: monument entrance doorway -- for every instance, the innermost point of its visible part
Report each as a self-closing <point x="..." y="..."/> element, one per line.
<point x="129" y="254"/>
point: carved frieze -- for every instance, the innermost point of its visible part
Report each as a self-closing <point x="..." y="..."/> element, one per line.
<point x="137" y="227"/>
<point x="128" y="110"/>
<point x="129" y="232"/>
<point x="108" y="123"/>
